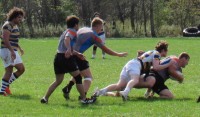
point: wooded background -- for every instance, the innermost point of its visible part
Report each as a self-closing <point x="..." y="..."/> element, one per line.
<point x="124" y="18"/>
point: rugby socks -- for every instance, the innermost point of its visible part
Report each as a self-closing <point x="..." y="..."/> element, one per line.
<point x="4" y="85"/>
<point x="103" y="91"/>
<point x="12" y="78"/>
<point x="127" y="90"/>
<point x="69" y="86"/>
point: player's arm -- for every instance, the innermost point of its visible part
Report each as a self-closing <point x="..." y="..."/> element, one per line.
<point x="6" y="36"/>
<point x="21" y="50"/>
<point x="99" y="43"/>
<point x="67" y="41"/>
<point x="156" y="63"/>
<point x="78" y="54"/>
<point x="173" y="72"/>
<point x="113" y="53"/>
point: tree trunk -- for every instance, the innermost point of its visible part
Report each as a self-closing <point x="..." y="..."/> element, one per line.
<point x="153" y="33"/>
<point x="145" y="18"/>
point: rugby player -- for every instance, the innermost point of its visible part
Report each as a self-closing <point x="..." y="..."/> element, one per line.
<point x="9" y="49"/>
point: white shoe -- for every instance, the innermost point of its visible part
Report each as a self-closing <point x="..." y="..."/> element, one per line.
<point x="147" y="94"/>
<point x="124" y="95"/>
<point x="97" y="92"/>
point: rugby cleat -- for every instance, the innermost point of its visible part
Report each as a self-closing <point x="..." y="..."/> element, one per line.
<point x="3" y="93"/>
<point x="198" y="100"/>
<point x="97" y="93"/>
<point x="124" y="95"/>
<point x="66" y="93"/>
<point x="44" y="101"/>
<point x="88" y="100"/>
<point x="8" y="91"/>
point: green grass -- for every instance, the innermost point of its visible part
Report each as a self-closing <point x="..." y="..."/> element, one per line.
<point x="38" y="59"/>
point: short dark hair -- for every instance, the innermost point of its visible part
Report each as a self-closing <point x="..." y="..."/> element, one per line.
<point x="14" y="13"/>
<point x="96" y="21"/>
<point x="184" y="55"/>
<point x="72" y="20"/>
<point x="162" y="45"/>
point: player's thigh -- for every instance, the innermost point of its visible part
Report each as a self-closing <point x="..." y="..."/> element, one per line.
<point x="122" y="83"/>
<point x="145" y="82"/>
<point x="166" y="93"/>
<point x="86" y="73"/>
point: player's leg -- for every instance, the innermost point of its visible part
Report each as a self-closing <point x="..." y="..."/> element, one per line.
<point x="87" y="79"/>
<point x="5" y="79"/>
<point x="94" y="51"/>
<point x="52" y="87"/>
<point x="113" y="87"/>
<point x="8" y="65"/>
<point x="20" y="70"/>
<point x="146" y="83"/>
<point x="166" y="94"/>
<point x="132" y="83"/>
<point x="76" y="75"/>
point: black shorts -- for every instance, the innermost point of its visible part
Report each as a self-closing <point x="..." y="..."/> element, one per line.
<point x="82" y="64"/>
<point x="64" y="65"/>
<point x="159" y="84"/>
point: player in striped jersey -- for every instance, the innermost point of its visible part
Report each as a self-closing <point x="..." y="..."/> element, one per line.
<point x="174" y="71"/>
<point x="86" y="37"/>
<point x="132" y="71"/>
<point x="156" y="79"/>
<point x="9" y="49"/>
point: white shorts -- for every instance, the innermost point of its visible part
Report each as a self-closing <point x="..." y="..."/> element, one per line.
<point x="6" y="57"/>
<point x="133" y="67"/>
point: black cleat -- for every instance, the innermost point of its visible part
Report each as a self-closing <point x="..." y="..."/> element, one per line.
<point x="65" y="93"/>
<point x="198" y="100"/>
<point x="44" y="101"/>
<point x="88" y="101"/>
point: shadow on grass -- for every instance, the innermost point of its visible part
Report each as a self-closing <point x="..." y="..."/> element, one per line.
<point x="157" y="99"/>
<point x="21" y="96"/>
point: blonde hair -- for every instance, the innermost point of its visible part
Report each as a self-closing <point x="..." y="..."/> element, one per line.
<point x="96" y="21"/>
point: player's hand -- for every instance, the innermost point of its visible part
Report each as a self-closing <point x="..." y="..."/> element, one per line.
<point x="81" y="56"/>
<point x="122" y="54"/>
<point x="13" y="55"/>
<point x="21" y="51"/>
<point x="68" y="53"/>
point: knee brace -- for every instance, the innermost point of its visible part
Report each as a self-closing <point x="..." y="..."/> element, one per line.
<point x="78" y="79"/>
<point x="89" y="79"/>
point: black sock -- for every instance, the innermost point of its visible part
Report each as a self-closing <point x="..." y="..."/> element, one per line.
<point x="69" y="86"/>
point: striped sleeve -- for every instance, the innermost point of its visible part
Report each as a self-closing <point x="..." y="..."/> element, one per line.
<point x="7" y="27"/>
<point x="156" y="55"/>
<point x="97" y="41"/>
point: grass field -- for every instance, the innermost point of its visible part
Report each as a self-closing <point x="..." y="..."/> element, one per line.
<point x="38" y="59"/>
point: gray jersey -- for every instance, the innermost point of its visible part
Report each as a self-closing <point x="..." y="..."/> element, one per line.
<point x="67" y="33"/>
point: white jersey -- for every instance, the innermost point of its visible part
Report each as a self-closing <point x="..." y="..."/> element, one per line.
<point x="149" y="56"/>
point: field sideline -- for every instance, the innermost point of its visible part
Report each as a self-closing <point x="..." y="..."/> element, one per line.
<point x="38" y="60"/>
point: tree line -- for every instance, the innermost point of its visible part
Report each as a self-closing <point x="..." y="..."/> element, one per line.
<point x="124" y="18"/>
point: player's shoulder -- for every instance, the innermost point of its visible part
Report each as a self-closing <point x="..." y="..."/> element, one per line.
<point x="7" y="26"/>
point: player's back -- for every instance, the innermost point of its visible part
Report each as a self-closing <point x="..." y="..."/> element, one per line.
<point x="85" y="39"/>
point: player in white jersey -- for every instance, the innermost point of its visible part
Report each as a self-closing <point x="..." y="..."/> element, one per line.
<point x="131" y="72"/>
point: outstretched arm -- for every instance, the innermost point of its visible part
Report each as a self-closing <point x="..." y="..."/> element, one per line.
<point x="113" y="53"/>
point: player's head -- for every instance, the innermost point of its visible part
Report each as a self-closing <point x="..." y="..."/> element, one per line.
<point x="16" y="15"/>
<point x="96" y="14"/>
<point x="72" y="22"/>
<point x="140" y="52"/>
<point x="162" y="48"/>
<point x="97" y="24"/>
<point x="183" y="59"/>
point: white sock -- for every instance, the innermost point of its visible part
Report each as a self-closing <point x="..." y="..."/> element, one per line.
<point x="127" y="90"/>
<point x="103" y="91"/>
